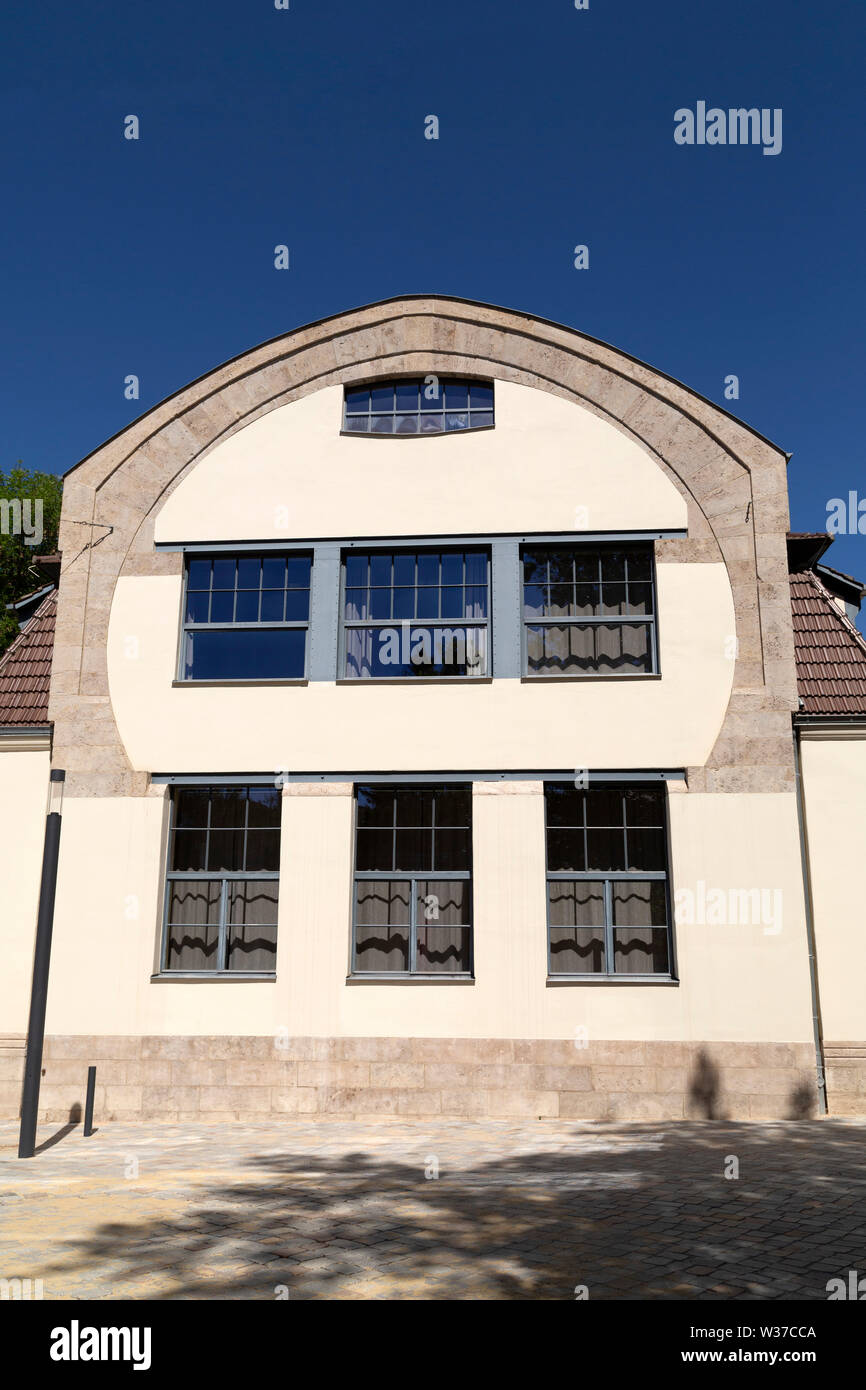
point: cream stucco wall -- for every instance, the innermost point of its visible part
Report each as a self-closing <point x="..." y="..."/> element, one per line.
<point x="668" y="722"/>
<point x="834" y="784"/>
<point x="23" y="805"/>
<point x="737" y="982"/>
<point x="549" y="465"/>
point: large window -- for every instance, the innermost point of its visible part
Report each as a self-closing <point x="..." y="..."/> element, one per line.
<point x="588" y="610"/>
<point x="413" y="881"/>
<point x="223" y="880"/>
<point x="416" y="613"/>
<point x="607" y="881"/>
<point x="246" y="617"/>
<point x="424" y="406"/>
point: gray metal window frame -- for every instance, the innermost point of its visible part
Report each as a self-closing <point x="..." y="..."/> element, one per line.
<point x="412" y="878"/>
<point x="206" y="876"/>
<point x="397" y="623"/>
<point x="439" y="411"/>
<point x="608" y="879"/>
<point x="247" y="626"/>
<point x="607" y="620"/>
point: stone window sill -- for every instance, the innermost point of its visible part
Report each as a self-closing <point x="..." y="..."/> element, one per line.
<point x="213" y="977"/>
<point x="395" y="979"/>
<point x="554" y="980"/>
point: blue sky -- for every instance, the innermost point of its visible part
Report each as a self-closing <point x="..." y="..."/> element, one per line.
<point x="306" y="127"/>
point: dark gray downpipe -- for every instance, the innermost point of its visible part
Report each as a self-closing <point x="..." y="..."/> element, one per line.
<point x="810" y="929"/>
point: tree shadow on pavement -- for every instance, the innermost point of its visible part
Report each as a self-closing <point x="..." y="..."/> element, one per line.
<point x="692" y="1210"/>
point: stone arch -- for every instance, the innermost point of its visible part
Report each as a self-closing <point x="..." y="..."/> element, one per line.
<point x="733" y="480"/>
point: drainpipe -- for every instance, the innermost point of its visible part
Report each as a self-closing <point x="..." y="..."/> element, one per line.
<point x="41" y="962"/>
<point x="810" y="928"/>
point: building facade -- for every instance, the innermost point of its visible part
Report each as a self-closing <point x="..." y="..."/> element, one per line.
<point x="426" y="688"/>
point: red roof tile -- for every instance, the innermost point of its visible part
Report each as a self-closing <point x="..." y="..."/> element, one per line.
<point x="25" y="670"/>
<point x="830" y="652"/>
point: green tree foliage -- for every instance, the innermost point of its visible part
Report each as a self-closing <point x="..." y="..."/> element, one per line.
<point x="20" y="490"/>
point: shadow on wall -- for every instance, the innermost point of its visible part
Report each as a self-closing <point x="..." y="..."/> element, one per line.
<point x="649" y="1211"/>
<point x="705" y="1093"/>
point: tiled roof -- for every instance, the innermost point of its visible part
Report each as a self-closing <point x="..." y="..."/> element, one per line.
<point x="830" y="652"/>
<point x="25" y="669"/>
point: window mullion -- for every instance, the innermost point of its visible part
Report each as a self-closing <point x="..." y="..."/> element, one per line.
<point x="223" y="933"/>
<point x="608" y="926"/>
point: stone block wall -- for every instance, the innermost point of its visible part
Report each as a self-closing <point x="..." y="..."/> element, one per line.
<point x="256" y="1078"/>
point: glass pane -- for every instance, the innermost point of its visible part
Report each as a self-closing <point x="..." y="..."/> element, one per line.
<point x="576" y="916"/>
<point x="604" y="806"/>
<point x="224" y="574"/>
<point x="380" y="570"/>
<point x="432" y="394"/>
<point x="273" y="605"/>
<point x="191" y="806"/>
<point x="382" y="424"/>
<point x="560" y="601"/>
<point x="252" y="935"/>
<point x="382" y="925"/>
<point x="452" y="567"/>
<point x="404" y="570"/>
<point x="247" y="607"/>
<point x="249" y="572"/>
<point x="359" y="653"/>
<point x="645" y="806"/>
<point x="263" y="851"/>
<point x="639" y="564"/>
<point x="612" y="565"/>
<point x="246" y="654"/>
<point x="357" y="399"/>
<point x="623" y="648"/>
<point x="298" y="568"/>
<point x="428" y="567"/>
<point x="405" y="424"/>
<point x="587" y="601"/>
<point x="414" y="850"/>
<point x="452" y="601"/>
<point x="452" y="849"/>
<point x="228" y="806"/>
<point x="586" y="565"/>
<point x="566" y="650"/>
<point x="613" y="598"/>
<point x="407" y="396"/>
<point x="605" y="849"/>
<point x="193" y="925"/>
<point x="561" y="566"/>
<point x="222" y="606"/>
<point x="476" y="567"/>
<point x="404" y="603"/>
<point x="414" y="806"/>
<point x="356" y="571"/>
<point x="564" y="803"/>
<point x="456" y="395"/>
<point x="431" y="424"/>
<point x="476" y="601"/>
<point x="297" y="605"/>
<point x="453" y="806"/>
<point x="640" y="598"/>
<point x="566" y="851"/>
<point x="428" y="603"/>
<point x="374" y="850"/>
<point x="482" y="396"/>
<point x="382" y="398"/>
<point x="534" y="600"/>
<point x="646" y="850"/>
<point x="264" y="807"/>
<point x="198" y="574"/>
<point x="534" y="568"/>
<point x="197" y="607"/>
<point x="357" y="424"/>
<point x="356" y="605"/>
<point x="637" y="904"/>
<point x="189" y="851"/>
<point x="375" y="806"/>
<point x="641" y="951"/>
<point x="480" y="420"/>
<point x="274" y="572"/>
<point x="226" y="850"/>
<point x="456" y="422"/>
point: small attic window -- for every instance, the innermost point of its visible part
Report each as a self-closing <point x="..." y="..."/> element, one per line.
<point x="428" y="405"/>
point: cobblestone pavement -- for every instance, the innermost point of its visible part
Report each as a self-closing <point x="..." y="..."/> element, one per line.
<point x="355" y="1210"/>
